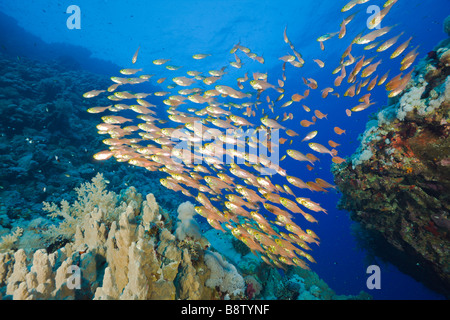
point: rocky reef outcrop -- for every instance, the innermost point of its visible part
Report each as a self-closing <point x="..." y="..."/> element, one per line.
<point x="397" y="183"/>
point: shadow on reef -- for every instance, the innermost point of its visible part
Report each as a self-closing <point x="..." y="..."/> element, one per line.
<point x="378" y="248"/>
<point x="396" y="184"/>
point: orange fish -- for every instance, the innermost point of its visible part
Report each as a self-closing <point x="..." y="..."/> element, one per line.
<point x="296" y="97"/>
<point x="312" y="157"/>
<point x="401" y="48"/>
<point x="306" y="108"/>
<point x="326" y="91"/>
<point x="333" y="144"/>
<point x="306" y="123"/>
<point x="383" y="78"/>
<point x="337" y="160"/>
<point x="401" y="85"/>
<point x="320" y="63"/>
<point x="409" y="59"/>
<point x="350" y="91"/>
<point x="339" y="130"/>
<point x="322" y="47"/>
<point x="320" y="115"/>
<point x="372" y="84"/>
<point x="291" y="133"/>
<point x="343" y="30"/>
<point x="368" y="71"/>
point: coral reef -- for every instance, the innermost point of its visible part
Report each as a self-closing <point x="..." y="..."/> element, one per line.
<point x="48" y="138"/>
<point x="398" y="180"/>
<point x="122" y="246"/>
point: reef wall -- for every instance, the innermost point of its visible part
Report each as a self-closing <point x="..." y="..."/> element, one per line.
<point x="397" y="183"/>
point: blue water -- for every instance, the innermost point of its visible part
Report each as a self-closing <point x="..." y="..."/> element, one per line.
<point x="111" y="31"/>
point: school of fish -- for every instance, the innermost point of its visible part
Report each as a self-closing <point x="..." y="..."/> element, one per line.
<point x="241" y="194"/>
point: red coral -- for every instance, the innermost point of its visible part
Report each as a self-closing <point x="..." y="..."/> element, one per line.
<point x="250" y="290"/>
<point x="431" y="227"/>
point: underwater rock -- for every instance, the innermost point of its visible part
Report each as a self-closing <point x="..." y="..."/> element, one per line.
<point x="398" y="180"/>
<point x="447" y="26"/>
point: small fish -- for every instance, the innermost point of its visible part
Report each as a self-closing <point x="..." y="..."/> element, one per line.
<point x="285" y="38"/>
<point x="310" y="135"/>
<point x="115" y="119"/>
<point x="350" y="91"/>
<point x="296" y="97"/>
<point x="333" y="144"/>
<point x="401" y="48"/>
<point x="327" y="36"/>
<point x="130" y="71"/>
<point x="97" y="109"/>
<point x="103" y="155"/>
<point x="291" y="133"/>
<point x="307" y="203"/>
<point x="381" y="15"/>
<point x="160" y="61"/>
<point x="320" y="63"/>
<point x="409" y="59"/>
<point x="200" y="56"/>
<point x="306" y="123"/>
<point x="343" y="30"/>
<point x="338" y="130"/>
<point x="322" y="46"/>
<point x="373" y="35"/>
<point x="359" y="107"/>
<point x="321" y="149"/>
<point x="349" y="5"/>
<point x="263" y="85"/>
<point x="389" y="43"/>
<point x="134" y="59"/>
<point x="183" y="81"/>
<point x="326" y="91"/>
<point x="337" y="160"/>
<point x="287" y="58"/>
<point x="319" y="114"/>
<point x="372" y="45"/>
<point x="369" y="70"/>
<point x="372" y="84"/>
<point x="400" y="85"/>
<point x="383" y="78"/>
<point x="173" y="68"/>
<point x="92" y="93"/>
<point x="271" y="123"/>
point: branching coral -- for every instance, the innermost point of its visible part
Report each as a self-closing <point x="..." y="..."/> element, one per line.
<point x="91" y="196"/>
<point x="8" y="242"/>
